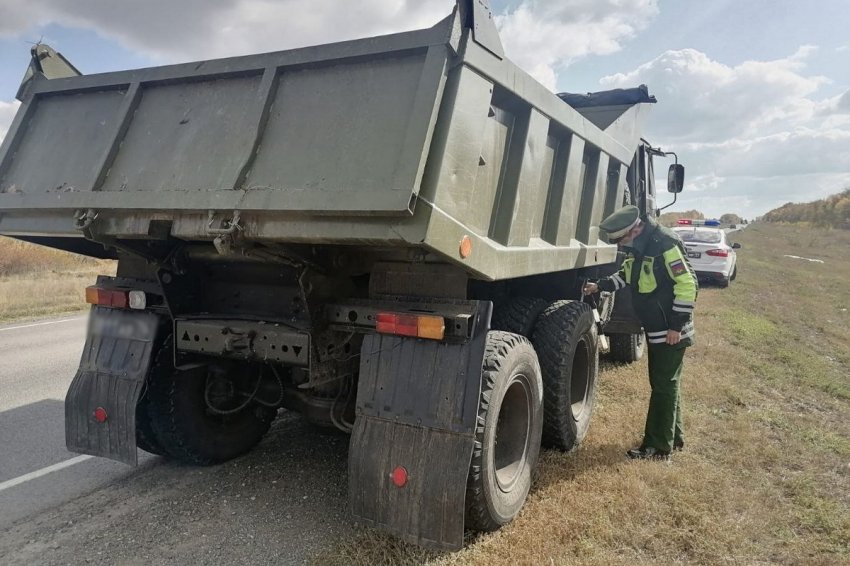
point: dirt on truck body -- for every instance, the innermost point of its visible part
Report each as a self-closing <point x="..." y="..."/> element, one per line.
<point x="387" y="235"/>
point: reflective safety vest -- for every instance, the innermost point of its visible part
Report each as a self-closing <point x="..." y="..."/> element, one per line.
<point x="664" y="285"/>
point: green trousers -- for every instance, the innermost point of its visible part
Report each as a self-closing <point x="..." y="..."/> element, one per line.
<point x="664" y="418"/>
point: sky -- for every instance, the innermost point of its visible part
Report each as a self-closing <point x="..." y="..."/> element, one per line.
<point x="753" y="96"/>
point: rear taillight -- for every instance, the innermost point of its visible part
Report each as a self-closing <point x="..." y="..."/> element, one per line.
<point x="419" y="326"/>
<point x="717" y="253"/>
<point x="116" y="298"/>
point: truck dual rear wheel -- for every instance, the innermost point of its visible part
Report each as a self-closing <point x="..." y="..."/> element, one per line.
<point x="185" y="429"/>
<point x="145" y="437"/>
<point x="507" y="434"/>
<point x="627" y="348"/>
<point x="566" y="342"/>
<point x="519" y="315"/>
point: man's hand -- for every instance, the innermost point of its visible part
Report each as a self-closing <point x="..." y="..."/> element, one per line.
<point x="590" y="288"/>
<point x="673" y="337"/>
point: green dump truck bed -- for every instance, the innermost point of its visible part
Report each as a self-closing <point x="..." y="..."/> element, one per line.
<point x="420" y="139"/>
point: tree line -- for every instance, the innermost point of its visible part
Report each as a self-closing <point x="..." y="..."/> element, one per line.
<point x="830" y="212"/>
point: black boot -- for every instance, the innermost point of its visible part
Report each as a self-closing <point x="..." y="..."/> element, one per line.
<point x="679" y="444"/>
<point x="647" y="453"/>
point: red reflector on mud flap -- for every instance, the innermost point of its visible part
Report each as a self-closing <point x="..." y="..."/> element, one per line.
<point x="100" y="415"/>
<point x="399" y="476"/>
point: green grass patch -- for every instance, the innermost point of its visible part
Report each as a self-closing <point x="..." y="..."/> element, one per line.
<point x="750" y="329"/>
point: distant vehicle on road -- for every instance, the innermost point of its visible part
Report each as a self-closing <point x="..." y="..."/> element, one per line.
<point x="709" y="253"/>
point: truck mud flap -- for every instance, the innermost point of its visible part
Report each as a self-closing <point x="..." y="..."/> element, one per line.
<point x="417" y="404"/>
<point x="100" y="407"/>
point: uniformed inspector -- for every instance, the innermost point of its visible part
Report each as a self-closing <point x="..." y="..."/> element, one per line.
<point x="664" y="292"/>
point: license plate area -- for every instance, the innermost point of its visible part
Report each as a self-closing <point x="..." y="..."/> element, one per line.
<point x="694" y="255"/>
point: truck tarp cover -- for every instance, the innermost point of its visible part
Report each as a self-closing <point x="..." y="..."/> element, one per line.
<point x="616" y="97"/>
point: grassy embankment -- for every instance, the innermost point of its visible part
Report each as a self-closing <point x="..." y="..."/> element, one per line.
<point x="39" y="281"/>
<point x="765" y="477"/>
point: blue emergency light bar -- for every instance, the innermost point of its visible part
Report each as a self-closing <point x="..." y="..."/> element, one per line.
<point x="690" y="222"/>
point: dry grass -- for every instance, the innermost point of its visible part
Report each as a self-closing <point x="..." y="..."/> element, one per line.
<point x="39" y="281"/>
<point x="765" y="477"/>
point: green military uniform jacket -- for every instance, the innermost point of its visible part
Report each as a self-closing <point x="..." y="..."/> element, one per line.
<point x="664" y="286"/>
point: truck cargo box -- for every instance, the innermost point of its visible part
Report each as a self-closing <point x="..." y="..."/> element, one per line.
<point x="424" y="139"/>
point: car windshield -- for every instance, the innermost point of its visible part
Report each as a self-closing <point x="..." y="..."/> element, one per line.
<point x="700" y="236"/>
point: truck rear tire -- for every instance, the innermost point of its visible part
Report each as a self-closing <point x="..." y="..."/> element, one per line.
<point x="145" y="436"/>
<point x="519" y="315"/>
<point x="188" y="431"/>
<point x="627" y="348"/>
<point x="567" y="344"/>
<point x="507" y="437"/>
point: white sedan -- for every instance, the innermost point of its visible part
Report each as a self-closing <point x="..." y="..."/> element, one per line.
<point x="711" y="256"/>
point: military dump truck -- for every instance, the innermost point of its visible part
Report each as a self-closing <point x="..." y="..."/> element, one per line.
<point x="387" y="235"/>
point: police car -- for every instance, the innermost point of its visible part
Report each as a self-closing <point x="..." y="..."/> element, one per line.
<point x="709" y="253"/>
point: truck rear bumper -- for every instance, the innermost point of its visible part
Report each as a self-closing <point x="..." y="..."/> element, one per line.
<point x="100" y="407"/>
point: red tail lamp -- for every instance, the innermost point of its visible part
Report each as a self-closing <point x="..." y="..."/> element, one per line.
<point x="107" y="297"/>
<point x="415" y="325"/>
<point x="116" y="298"/>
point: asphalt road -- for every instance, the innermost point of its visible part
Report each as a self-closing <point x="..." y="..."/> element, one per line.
<point x="283" y="502"/>
<point x="39" y="361"/>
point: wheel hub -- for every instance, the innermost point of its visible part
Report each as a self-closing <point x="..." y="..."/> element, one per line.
<point x="512" y="433"/>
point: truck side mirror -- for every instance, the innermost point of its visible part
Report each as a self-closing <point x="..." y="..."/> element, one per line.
<point x="675" y="178"/>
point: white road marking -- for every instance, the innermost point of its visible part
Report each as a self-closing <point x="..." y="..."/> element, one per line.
<point x="40" y="323"/>
<point x="42" y="472"/>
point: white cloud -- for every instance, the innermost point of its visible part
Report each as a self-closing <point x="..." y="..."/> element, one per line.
<point x="702" y="99"/>
<point x="800" y="152"/>
<point x="7" y="114"/>
<point x="752" y="135"/>
<point x="203" y="29"/>
<point x="753" y="196"/>
<point x="543" y="36"/>
<point x="837" y="105"/>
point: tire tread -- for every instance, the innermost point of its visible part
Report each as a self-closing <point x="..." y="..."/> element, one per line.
<point x="553" y="340"/>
